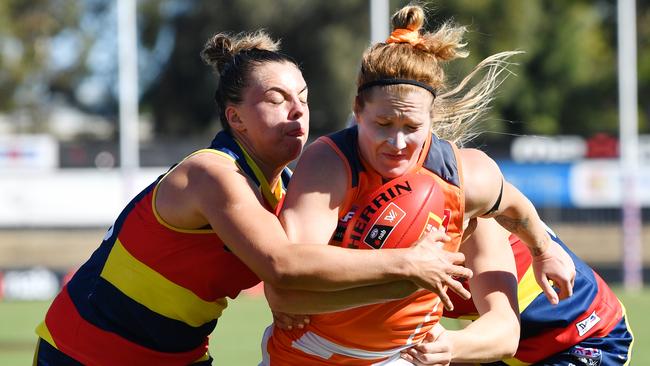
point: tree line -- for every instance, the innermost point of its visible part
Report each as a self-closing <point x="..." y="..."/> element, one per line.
<point x="565" y="82"/>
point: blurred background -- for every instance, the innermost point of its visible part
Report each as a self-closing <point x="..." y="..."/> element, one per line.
<point x="71" y="157"/>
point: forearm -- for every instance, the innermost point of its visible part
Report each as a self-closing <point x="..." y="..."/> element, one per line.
<point x="314" y="302"/>
<point x="519" y="216"/>
<point x="328" y="268"/>
<point x="476" y="343"/>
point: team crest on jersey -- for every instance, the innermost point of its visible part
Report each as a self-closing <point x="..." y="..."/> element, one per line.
<point x="435" y="222"/>
<point x="586" y="324"/>
<point x="587" y="356"/>
<point x="384" y="225"/>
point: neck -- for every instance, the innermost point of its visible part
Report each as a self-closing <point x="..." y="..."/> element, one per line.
<point x="271" y="169"/>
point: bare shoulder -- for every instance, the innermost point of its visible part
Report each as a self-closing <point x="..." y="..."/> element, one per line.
<point x="476" y="162"/>
<point x="202" y="179"/>
<point x="320" y="169"/>
<point x="482" y="181"/>
<point x="208" y="167"/>
<point x="214" y="177"/>
<point x="319" y="158"/>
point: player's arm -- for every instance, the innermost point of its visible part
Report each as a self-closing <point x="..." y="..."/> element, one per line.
<point x="487" y="194"/>
<point x="314" y="302"/>
<point x="311" y="210"/>
<point x="495" y="334"/>
<point x="213" y="188"/>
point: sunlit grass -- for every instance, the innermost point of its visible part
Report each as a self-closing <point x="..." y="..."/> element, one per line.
<point x="236" y="340"/>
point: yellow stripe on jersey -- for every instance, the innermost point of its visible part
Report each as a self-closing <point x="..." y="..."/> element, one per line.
<point x="154" y="291"/>
<point x="528" y="289"/>
<point x="272" y="195"/>
<point x="629" y="329"/>
<point x="470" y="317"/>
<point x="515" y="362"/>
<point x="203" y="358"/>
<point x="43" y="332"/>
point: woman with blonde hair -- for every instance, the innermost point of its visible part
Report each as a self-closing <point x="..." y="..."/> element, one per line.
<point x="205" y="230"/>
<point x="401" y="98"/>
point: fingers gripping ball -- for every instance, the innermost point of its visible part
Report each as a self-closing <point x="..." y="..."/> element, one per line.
<point x="397" y="214"/>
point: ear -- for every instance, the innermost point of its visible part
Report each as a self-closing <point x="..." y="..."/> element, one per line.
<point x="233" y="119"/>
<point x="357" y="107"/>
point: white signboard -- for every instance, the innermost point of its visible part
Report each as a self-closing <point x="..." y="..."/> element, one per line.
<point x="597" y="184"/>
<point x="67" y="198"/>
<point x="28" y="152"/>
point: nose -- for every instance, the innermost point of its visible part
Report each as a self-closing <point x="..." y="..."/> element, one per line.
<point x="398" y="140"/>
<point x="298" y="109"/>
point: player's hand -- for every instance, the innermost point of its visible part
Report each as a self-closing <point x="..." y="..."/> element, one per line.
<point x="555" y="264"/>
<point x="436" y="269"/>
<point x="435" y="349"/>
<point x="287" y="321"/>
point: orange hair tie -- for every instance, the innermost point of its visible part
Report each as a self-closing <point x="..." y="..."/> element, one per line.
<point x="402" y="35"/>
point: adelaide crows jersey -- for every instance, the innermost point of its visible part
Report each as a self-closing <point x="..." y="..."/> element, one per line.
<point x="151" y="293"/>
<point x="592" y="311"/>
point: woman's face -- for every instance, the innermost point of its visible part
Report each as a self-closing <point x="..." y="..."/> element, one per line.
<point x="393" y="128"/>
<point x="274" y="114"/>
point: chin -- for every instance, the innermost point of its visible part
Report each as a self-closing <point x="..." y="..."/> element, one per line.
<point x="393" y="173"/>
<point x="293" y="153"/>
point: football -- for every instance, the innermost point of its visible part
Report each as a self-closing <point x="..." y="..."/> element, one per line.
<point x="397" y="214"/>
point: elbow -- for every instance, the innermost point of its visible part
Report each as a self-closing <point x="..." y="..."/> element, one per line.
<point x="509" y="341"/>
<point x="509" y="350"/>
<point x="280" y="273"/>
<point x="503" y="340"/>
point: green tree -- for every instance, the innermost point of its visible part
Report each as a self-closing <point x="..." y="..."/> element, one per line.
<point x="566" y="80"/>
<point x="26" y="29"/>
<point x="565" y="83"/>
<point x="325" y="37"/>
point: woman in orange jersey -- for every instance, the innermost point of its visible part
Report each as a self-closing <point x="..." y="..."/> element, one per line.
<point x="153" y="290"/>
<point x="401" y="98"/>
<point x="589" y="329"/>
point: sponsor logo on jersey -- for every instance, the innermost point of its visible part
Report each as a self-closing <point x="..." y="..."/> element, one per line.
<point x="586" y="324"/>
<point x="342" y="225"/>
<point x="587" y="356"/>
<point x="384" y="225"/>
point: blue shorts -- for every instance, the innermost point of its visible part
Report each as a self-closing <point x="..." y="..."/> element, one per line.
<point x="46" y="355"/>
<point x="611" y="350"/>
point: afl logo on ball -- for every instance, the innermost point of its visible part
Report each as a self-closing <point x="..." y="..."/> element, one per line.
<point x="373" y="233"/>
<point x="385" y="223"/>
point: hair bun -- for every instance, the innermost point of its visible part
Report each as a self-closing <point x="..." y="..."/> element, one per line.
<point x="222" y="47"/>
<point x="410" y="17"/>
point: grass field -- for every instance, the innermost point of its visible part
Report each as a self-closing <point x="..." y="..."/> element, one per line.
<point x="237" y="337"/>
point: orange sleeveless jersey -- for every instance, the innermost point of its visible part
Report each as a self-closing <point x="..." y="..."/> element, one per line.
<point x="372" y="334"/>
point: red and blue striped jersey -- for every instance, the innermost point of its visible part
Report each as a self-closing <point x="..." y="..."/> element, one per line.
<point x="151" y="293"/>
<point x="592" y="311"/>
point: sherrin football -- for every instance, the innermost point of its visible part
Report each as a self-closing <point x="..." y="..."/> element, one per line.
<point x="397" y="214"/>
